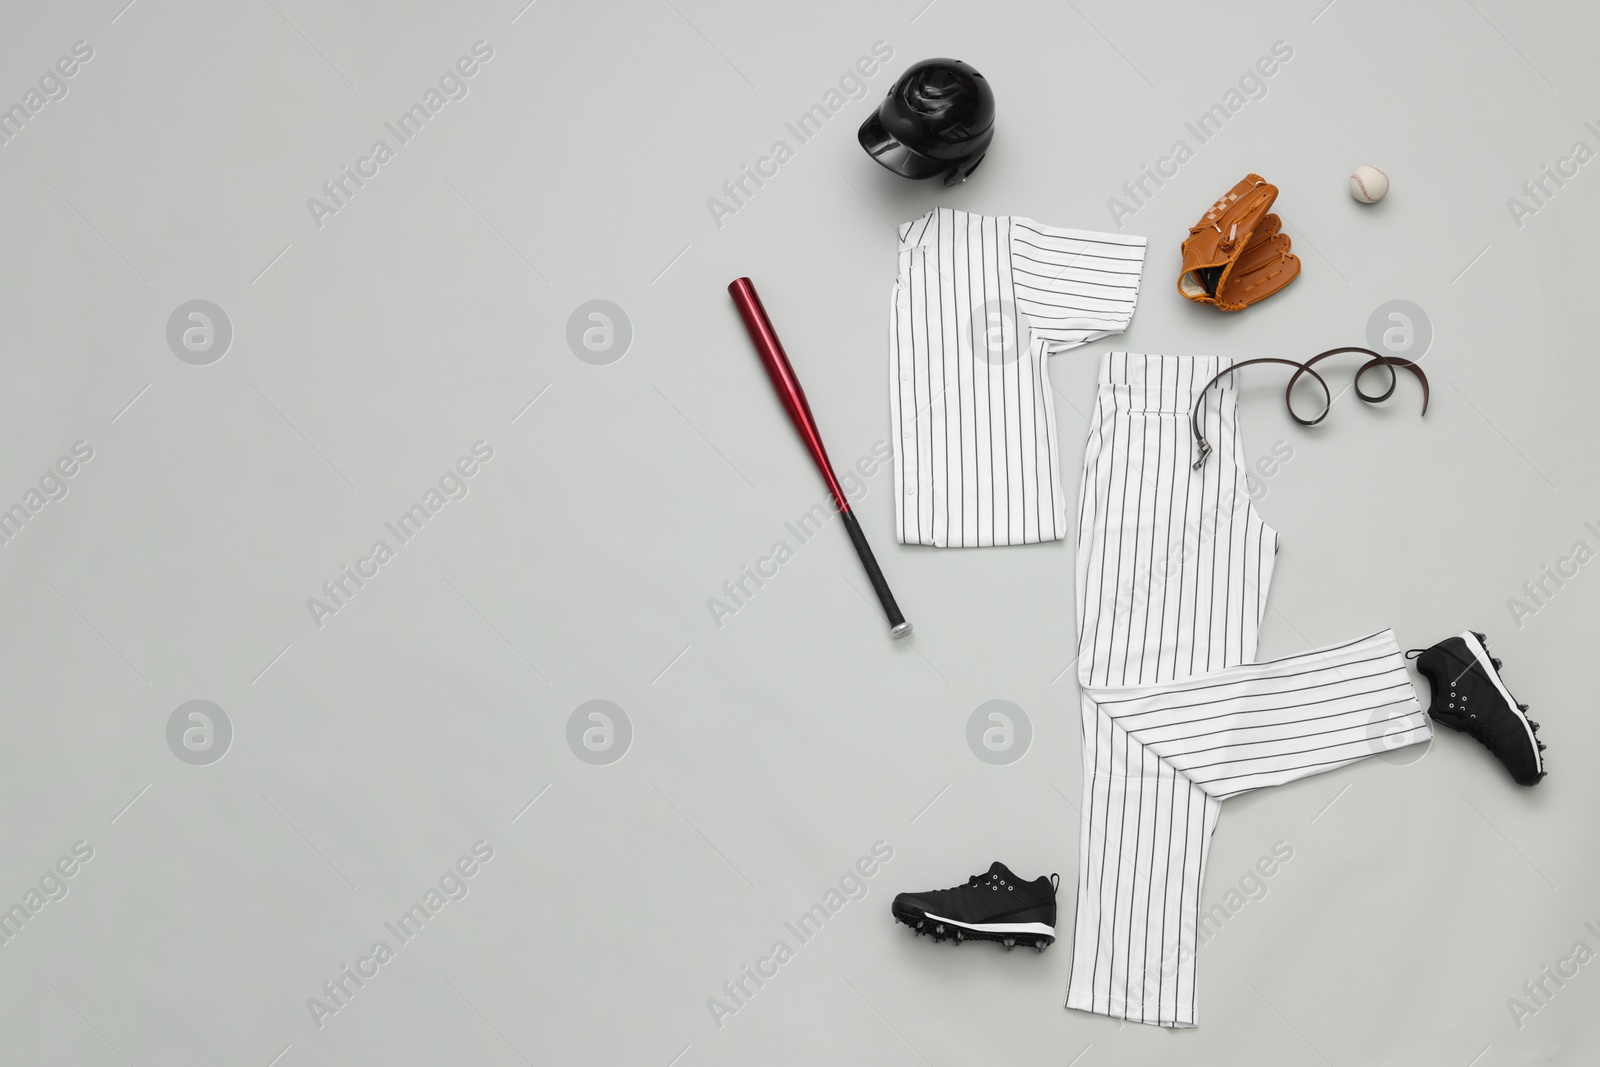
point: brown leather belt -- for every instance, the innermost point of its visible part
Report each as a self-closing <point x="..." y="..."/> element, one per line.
<point x="1377" y="360"/>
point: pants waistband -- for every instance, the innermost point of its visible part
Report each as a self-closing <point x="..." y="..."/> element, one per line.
<point x="1140" y="382"/>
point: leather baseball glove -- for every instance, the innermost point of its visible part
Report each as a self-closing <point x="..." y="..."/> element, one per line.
<point x="1236" y="254"/>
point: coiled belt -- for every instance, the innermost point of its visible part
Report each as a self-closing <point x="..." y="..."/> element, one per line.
<point x="1203" y="447"/>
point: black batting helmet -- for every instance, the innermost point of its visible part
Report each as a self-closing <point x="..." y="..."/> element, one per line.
<point x="937" y="119"/>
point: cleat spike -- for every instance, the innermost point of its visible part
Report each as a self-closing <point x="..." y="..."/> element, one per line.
<point x="1010" y="943"/>
<point x="939" y="929"/>
<point x="1522" y="708"/>
<point x="1534" y="725"/>
<point x="1497" y="663"/>
<point x="1541" y="745"/>
<point x="1483" y="639"/>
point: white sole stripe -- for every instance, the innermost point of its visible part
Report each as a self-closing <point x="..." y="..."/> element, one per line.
<point x="995" y="928"/>
<point x="1481" y="654"/>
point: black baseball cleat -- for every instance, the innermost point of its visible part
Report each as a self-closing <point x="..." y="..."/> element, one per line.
<point x="1469" y="695"/>
<point x="997" y="906"/>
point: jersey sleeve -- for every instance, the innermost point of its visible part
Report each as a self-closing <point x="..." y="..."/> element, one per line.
<point x="1074" y="286"/>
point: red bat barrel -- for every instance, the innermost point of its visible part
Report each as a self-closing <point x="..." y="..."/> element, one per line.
<point x="787" y="386"/>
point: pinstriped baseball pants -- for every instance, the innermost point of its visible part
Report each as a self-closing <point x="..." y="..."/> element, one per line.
<point x="1173" y="566"/>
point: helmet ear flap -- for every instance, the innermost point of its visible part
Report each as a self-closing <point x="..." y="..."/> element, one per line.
<point x="961" y="173"/>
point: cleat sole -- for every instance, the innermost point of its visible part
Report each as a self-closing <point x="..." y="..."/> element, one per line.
<point x="1037" y="935"/>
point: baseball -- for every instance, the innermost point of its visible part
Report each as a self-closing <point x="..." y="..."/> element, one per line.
<point x="1369" y="184"/>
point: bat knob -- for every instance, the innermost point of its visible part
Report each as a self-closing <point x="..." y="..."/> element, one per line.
<point x="901" y="630"/>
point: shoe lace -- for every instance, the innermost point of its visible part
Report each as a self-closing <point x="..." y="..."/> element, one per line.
<point x="979" y="880"/>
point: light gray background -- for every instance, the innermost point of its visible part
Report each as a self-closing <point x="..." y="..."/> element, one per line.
<point x="767" y="755"/>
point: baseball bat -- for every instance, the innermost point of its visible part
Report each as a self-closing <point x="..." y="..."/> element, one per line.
<point x="793" y="398"/>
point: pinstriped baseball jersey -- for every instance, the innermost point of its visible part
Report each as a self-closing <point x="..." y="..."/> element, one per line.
<point x="978" y="304"/>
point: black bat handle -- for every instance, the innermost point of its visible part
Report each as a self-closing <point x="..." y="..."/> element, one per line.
<point x="898" y="627"/>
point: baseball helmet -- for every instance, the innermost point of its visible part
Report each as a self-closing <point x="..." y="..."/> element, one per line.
<point x="937" y="119"/>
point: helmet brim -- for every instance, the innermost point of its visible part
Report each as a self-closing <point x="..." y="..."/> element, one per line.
<point x="882" y="146"/>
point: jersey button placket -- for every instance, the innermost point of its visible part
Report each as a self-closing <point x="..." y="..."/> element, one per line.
<point x="910" y="278"/>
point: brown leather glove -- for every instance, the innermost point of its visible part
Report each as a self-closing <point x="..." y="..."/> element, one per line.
<point x="1236" y="254"/>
